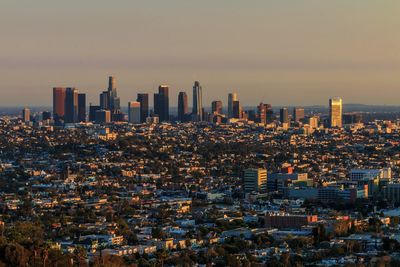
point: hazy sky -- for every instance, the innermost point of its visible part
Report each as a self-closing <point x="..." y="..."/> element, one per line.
<point x="281" y="52"/>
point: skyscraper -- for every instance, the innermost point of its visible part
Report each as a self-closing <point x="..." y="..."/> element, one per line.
<point x="262" y="113"/>
<point x="156" y="105"/>
<point x="92" y="112"/>
<point x="182" y="106"/>
<point x="335" y="112"/>
<point x="104" y="100"/>
<point x="26" y="115"/>
<point x="71" y="105"/>
<point x="236" y="110"/>
<point x="143" y="99"/>
<point x="162" y="102"/>
<point x="114" y="99"/>
<point x="58" y="103"/>
<point x="284" y="115"/>
<point x="197" y="112"/>
<point x="298" y="114"/>
<point x="134" y="112"/>
<point x="81" y="107"/>
<point x="216" y="107"/>
<point x="231" y="98"/>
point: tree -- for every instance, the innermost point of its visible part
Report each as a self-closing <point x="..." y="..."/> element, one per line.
<point x="341" y="228"/>
<point x="16" y="255"/>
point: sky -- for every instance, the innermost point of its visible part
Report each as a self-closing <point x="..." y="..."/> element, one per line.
<point x="283" y="52"/>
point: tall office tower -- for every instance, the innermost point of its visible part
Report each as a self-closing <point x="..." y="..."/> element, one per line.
<point x="114" y="99"/>
<point x="92" y="112"/>
<point x="71" y="105"/>
<point x="270" y="117"/>
<point x="156" y="105"/>
<point x="298" y="114"/>
<point x="143" y="99"/>
<point x="231" y="98"/>
<point x="26" y="115"/>
<point x="134" y="112"/>
<point x="236" y="109"/>
<point x="103" y="116"/>
<point x="216" y="107"/>
<point x="58" y="103"/>
<point x="182" y="106"/>
<point x="262" y="113"/>
<point x="81" y="107"/>
<point x="313" y="122"/>
<point x="104" y="100"/>
<point x="335" y="112"/>
<point x="162" y="100"/>
<point x="197" y="111"/>
<point x="255" y="180"/>
<point x="284" y="115"/>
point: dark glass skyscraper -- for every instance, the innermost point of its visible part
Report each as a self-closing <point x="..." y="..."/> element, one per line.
<point x="143" y="99"/>
<point x="81" y="107"/>
<point x="236" y="109"/>
<point x="156" y="105"/>
<point x="71" y="105"/>
<point x="182" y="106"/>
<point x="92" y="112"/>
<point x="161" y="103"/>
<point x="197" y="112"/>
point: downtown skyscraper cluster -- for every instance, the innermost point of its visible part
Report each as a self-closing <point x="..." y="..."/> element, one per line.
<point x="69" y="106"/>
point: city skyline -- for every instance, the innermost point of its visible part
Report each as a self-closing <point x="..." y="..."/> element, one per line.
<point x="257" y="50"/>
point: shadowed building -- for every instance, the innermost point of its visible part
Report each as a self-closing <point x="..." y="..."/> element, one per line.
<point x="161" y="103"/>
<point x="92" y="112"/>
<point x="197" y="111"/>
<point x="71" y="106"/>
<point x="81" y="107"/>
<point x="182" y="106"/>
<point x="143" y="99"/>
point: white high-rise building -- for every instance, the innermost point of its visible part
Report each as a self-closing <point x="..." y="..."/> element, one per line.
<point x="335" y="112"/>
<point x="231" y="98"/>
<point x="134" y="112"/>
